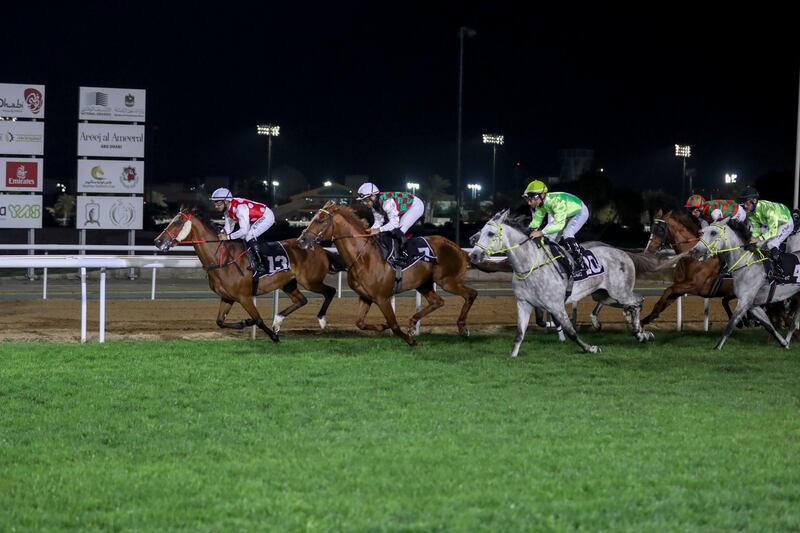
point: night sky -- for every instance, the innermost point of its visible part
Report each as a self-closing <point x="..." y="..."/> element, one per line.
<point x="373" y="90"/>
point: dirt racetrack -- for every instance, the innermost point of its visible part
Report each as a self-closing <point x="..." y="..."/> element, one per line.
<point x="58" y="320"/>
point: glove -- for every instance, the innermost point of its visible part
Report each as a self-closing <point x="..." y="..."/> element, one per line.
<point x="716" y="214"/>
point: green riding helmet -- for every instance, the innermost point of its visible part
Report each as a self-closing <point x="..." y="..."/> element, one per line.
<point x="695" y="201"/>
<point x="534" y="188"/>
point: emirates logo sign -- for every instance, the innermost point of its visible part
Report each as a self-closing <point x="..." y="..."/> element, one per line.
<point x="22" y="175"/>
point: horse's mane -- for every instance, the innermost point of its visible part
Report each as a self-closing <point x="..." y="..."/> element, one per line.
<point x="517" y="223"/>
<point x="741" y="229"/>
<point x="350" y="215"/>
<point x="686" y="220"/>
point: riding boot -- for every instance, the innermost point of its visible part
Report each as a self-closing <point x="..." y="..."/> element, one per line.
<point x="256" y="259"/>
<point x="777" y="264"/>
<point x="400" y="241"/>
<point x="575" y="251"/>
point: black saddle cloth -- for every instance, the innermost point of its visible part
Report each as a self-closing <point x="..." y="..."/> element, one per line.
<point x="791" y="272"/>
<point x="589" y="266"/>
<point x="275" y="257"/>
<point x="417" y="249"/>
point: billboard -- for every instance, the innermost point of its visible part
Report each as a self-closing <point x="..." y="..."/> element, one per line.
<point x="112" y="105"/>
<point x="110" y="140"/>
<point x="21" y="101"/>
<point x="22" y="175"/>
<point x="21" y="137"/>
<point x="109" y="212"/>
<point x="110" y="176"/>
<point x="20" y="211"/>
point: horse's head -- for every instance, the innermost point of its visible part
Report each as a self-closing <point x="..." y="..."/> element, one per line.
<point x="658" y="236"/>
<point x="714" y="239"/>
<point x="489" y="240"/>
<point x="319" y="229"/>
<point x="176" y="231"/>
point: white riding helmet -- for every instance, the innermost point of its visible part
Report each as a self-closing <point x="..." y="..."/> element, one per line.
<point x="221" y="194"/>
<point x="366" y="190"/>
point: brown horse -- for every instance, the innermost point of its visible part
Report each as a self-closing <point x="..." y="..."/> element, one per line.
<point x="373" y="279"/>
<point x="228" y="275"/>
<point x="681" y="232"/>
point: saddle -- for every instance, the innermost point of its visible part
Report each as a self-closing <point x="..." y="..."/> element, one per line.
<point x="417" y="249"/>
<point x="791" y="269"/>
<point x="274" y="257"/>
<point x="589" y="266"/>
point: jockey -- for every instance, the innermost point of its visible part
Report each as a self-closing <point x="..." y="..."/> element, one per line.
<point x="770" y="223"/>
<point x="710" y="211"/>
<point x="253" y="218"/>
<point x="394" y="212"/>
<point x="565" y="212"/>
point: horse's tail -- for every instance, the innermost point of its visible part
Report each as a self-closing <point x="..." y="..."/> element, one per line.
<point x="645" y="263"/>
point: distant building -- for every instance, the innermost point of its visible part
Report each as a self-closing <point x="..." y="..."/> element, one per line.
<point x="302" y="207"/>
<point x="575" y="162"/>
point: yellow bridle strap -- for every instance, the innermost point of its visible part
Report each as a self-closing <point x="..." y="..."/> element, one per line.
<point x="748" y="262"/>
<point x="497" y="238"/>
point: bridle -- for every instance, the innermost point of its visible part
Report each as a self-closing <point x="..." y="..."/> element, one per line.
<point x="317" y="236"/>
<point x="661" y="230"/>
<point x="497" y="240"/>
<point x="188" y="217"/>
<point x="714" y="250"/>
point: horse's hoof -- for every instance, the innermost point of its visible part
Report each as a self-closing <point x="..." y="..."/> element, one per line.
<point x="274" y="337"/>
<point x="322" y="322"/>
<point x="412" y="331"/>
<point x="593" y="349"/>
<point x="596" y="325"/>
<point x="464" y="332"/>
<point x="561" y="336"/>
<point x="276" y="323"/>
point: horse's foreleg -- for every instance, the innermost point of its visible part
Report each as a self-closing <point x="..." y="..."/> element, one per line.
<point x="385" y="305"/>
<point x="434" y="302"/>
<point x="249" y="306"/>
<point x="361" y="321"/>
<point x="595" y="316"/>
<point x="523" y="317"/>
<point x="298" y="301"/>
<point x="669" y="295"/>
<point x="762" y="317"/>
<point x="741" y="308"/>
<point x="224" y="309"/>
<point x="456" y="286"/>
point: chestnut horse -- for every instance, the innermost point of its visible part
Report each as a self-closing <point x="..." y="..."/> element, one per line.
<point x="373" y="279"/>
<point x="680" y="232"/>
<point x="228" y="275"/>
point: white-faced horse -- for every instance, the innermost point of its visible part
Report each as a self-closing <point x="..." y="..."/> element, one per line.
<point x="539" y="281"/>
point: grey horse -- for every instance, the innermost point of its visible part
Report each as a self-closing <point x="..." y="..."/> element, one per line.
<point x="750" y="281"/>
<point x="539" y="282"/>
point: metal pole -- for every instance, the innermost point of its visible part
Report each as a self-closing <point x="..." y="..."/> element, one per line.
<point x="102" y="332"/>
<point x="797" y="153"/>
<point x="269" y="169"/>
<point x="683" y="180"/>
<point x="83" y="304"/>
<point x="469" y="33"/>
<point x="494" y="160"/>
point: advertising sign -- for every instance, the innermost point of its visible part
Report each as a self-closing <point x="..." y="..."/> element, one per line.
<point x="109" y="212"/>
<point x="21" y="101"/>
<point x="110" y="176"/>
<point x="20" y="211"/>
<point x="21" y="175"/>
<point x="111" y="105"/>
<point x="21" y="137"/>
<point x="110" y="140"/>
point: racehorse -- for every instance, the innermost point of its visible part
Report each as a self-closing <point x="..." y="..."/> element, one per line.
<point x="373" y="279"/>
<point x="681" y="232"/>
<point x="539" y="282"/>
<point x="750" y="282"/>
<point x="228" y="276"/>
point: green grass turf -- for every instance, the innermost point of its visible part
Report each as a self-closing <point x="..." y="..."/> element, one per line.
<point x="348" y="432"/>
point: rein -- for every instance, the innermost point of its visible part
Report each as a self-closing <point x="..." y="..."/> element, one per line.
<point x="713" y="250"/>
<point x="218" y="252"/>
<point x="498" y="238"/>
<point x="334" y="238"/>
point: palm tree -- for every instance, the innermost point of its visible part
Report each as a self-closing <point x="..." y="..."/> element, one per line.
<point x="63" y="209"/>
<point x="434" y="188"/>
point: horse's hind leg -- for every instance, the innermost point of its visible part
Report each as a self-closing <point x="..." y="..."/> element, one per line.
<point x="795" y="320"/>
<point x="456" y="286"/>
<point x="298" y="301"/>
<point x="762" y="317"/>
<point x="523" y="317"/>
<point x="560" y="315"/>
<point x="327" y="293"/>
<point x="595" y="316"/>
<point x="434" y="302"/>
<point x="251" y="309"/>
<point x="224" y="309"/>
